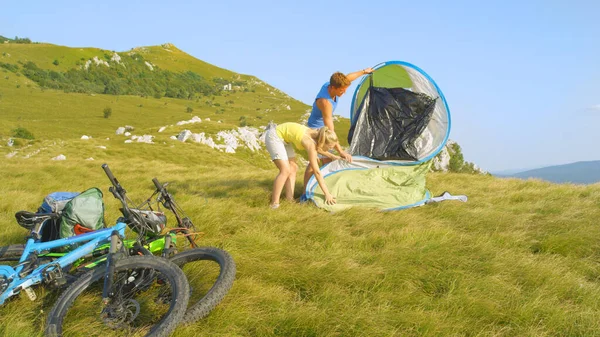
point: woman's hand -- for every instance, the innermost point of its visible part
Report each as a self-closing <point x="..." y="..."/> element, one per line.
<point x="346" y="156"/>
<point x="330" y="199"/>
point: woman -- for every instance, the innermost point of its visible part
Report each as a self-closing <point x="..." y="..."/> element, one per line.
<point x="279" y="140"/>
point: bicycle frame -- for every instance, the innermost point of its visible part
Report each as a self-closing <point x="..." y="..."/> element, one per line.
<point x="156" y="246"/>
<point x="18" y="282"/>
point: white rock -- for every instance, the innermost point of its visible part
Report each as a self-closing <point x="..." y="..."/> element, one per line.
<point x="120" y="130"/>
<point x="194" y="119"/>
<point x="288" y="107"/>
<point x="90" y="158"/>
<point x="184" y="135"/>
<point x="127" y="134"/>
<point x="129" y="128"/>
<point x="162" y="128"/>
<point x="101" y="147"/>
<point x="250" y="136"/>
<point x="60" y="157"/>
<point x="116" y="58"/>
<point x="173" y="137"/>
<point x="10" y="142"/>
<point x="145" y="139"/>
<point x="210" y="142"/>
<point x="207" y="119"/>
<point x="12" y="154"/>
<point x="128" y="141"/>
<point x="85" y="137"/>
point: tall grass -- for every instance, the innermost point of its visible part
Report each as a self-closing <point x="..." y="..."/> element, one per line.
<point x="520" y="258"/>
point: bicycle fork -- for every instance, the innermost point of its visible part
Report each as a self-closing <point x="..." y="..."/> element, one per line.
<point x="115" y="246"/>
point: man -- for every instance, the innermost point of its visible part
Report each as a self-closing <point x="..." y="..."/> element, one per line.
<point x="323" y="108"/>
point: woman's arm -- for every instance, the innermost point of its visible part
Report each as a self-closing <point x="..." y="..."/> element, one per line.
<point x="312" y="161"/>
<point x="328" y="155"/>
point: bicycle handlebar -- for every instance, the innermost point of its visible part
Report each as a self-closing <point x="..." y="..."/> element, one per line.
<point x="159" y="187"/>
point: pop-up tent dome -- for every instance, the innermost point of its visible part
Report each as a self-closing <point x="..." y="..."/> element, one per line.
<point x="399" y="121"/>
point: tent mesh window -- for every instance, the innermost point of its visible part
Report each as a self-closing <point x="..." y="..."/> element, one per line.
<point x="389" y="122"/>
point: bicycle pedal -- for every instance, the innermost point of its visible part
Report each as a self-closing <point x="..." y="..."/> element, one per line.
<point x="31" y="294"/>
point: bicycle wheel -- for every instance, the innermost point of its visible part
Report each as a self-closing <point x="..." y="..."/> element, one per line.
<point x="151" y="295"/>
<point x="209" y="282"/>
<point x="12" y="252"/>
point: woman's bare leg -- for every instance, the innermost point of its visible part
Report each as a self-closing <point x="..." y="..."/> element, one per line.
<point x="280" y="180"/>
<point x="290" y="183"/>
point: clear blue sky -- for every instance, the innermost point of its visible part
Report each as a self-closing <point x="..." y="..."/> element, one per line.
<point x="522" y="78"/>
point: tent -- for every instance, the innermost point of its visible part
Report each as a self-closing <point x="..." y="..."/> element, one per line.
<point x="400" y="120"/>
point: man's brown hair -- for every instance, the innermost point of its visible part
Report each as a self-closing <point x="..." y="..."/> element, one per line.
<point x="339" y="80"/>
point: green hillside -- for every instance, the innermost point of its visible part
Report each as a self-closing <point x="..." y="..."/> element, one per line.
<point x="520" y="258"/>
<point x="53" y="114"/>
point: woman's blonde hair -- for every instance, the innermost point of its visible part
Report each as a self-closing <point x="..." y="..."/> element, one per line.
<point x="325" y="136"/>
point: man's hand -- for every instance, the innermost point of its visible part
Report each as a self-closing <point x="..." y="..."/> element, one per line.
<point x="346" y="156"/>
<point x="368" y="70"/>
<point x="329" y="199"/>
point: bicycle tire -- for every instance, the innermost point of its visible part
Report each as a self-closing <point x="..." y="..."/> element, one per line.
<point x="12" y="252"/>
<point x="202" y="307"/>
<point x="138" y="264"/>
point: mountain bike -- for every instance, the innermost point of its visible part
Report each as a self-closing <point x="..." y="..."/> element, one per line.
<point x="198" y="263"/>
<point x="208" y="285"/>
<point x="119" y="295"/>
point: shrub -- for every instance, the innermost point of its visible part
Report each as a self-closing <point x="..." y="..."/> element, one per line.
<point x="243" y="123"/>
<point x="107" y="112"/>
<point x="189" y="109"/>
<point x="22" y="133"/>
<point x="55" y="62"/>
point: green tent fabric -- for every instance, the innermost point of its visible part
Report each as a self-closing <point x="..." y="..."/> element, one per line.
<point x="387" y="188"/>
<point x="86" y="209"/>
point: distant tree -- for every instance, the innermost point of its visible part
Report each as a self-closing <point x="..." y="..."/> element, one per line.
<point x="21" y="40"/>
<point x="189" y="109"/>
<point x="456" y="158"/>
<point x="107" y="112"/>
<point x="55" y="62"/>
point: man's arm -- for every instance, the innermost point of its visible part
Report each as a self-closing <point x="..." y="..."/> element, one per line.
<point x="327" y="112"/>
<point x="357" y="74"/>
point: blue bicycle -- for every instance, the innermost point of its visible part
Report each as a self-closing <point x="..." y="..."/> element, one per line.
<point x="130" y="295"/>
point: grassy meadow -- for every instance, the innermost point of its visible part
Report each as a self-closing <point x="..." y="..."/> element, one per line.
<point x="520" y="258"/>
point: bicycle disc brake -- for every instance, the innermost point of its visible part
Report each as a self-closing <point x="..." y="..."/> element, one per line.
<point x="120" y="314"/>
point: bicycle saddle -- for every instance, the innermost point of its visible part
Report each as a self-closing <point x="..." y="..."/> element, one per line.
<point x="30" y="221"/>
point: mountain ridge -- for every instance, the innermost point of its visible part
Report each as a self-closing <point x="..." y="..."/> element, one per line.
<point x="580" y="172"/>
